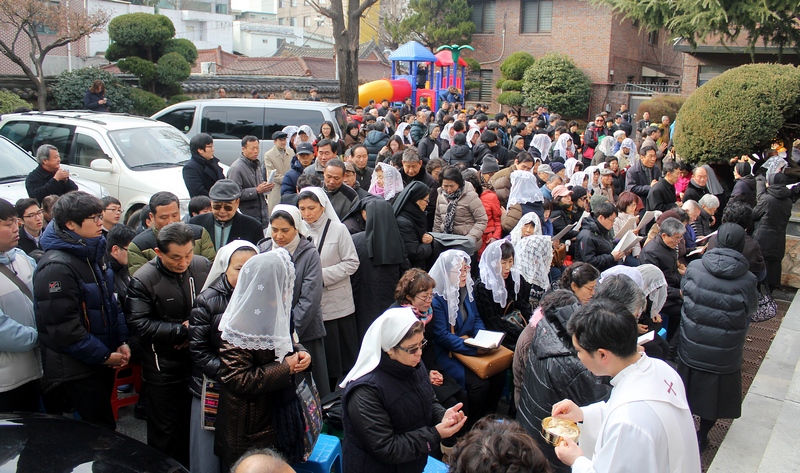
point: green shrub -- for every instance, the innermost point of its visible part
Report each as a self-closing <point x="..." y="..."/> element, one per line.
<point x="70" y="87"/>
<point x="178" y="99"/>
<point x="514" y="66"/>
<point x="173" y="69"/>
<point x="473" y="84"/>
<point x="661" y="105"/>
<point x="182" y="46"/>
<point x="513" y="85"/>
<point x="145" y="103"/>
<point x="138" y="34"/>
<point x="742" y="111"/>
<point x="10" y="101"/>
<point x="472" y="64"/>
<point x="555" y="80"/>
<point x="512" y="99"/>
<point x="141" y="68"/>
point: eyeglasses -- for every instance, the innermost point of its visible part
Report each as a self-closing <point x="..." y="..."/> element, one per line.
<point x="227" y="207"/>
<point x="112" y="209"/>
<point x="423" y="297"/>
<point x="10" y="222"/>
<point x="123" y="248"/>
<point x="414" y="350"/>
<point x="34" y="214"/>
<point x="95" y="218"/>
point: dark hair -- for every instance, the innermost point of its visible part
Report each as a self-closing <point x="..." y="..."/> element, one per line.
<point x="336" y="163"/>
<point x="22" y="205"/>
<point x="668" y="167"/>
<point x="308" y="195"/>
<point x="481" y="117"/>
<point x="49" y="202"/>
<point x="284" y="215"/>
<point x="308" y="180"/>
<point x="119" y="235"/>
<point x="739" y="213"/>
<point x="650" y="130"/>
<point x="451" y="173"/>
<point x="572" y="123"/>
<point x="606" y="210"/>
<point x="506" y="250"/>
<point x="248" y="139"/>
<point x="626" y="198"/>
<point x="76" y="207"/>
<point x="97" y="86"/>
<point x="330" y="124"/>
<point x="177" y="233"/>
<point x="397" y="140"/>
<point x="200" y="141"/>
<point x="327" y="142"/>
<point x="416" y="328"/>
<point x="109" y="199"/>
<point x="621" y="289"/>
<point x="197" y="204"/>
<point x="8" y="211"/>
<point x="645" y="149"/>
<point x="499" y="116"/>
<point x="604" y="324"/>
<point x="495" y="444"/>
<point x="471" y="176"/>
<point x="579" y="273"/>
<point x="355" y="147"/>
<point x="547" y="204"/>
<point x="434" y="163"/>
<point x="611" y="158"/>
<point x="524" y="157"/>
<point x="412" y="282"/>
<point x="396" y="160"/>
<point x="160" y="199"/>
<point x="459" y="126"/>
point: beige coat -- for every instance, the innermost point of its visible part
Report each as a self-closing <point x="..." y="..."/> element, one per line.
<point x="339" y="261"/>
<point x="470" y="218"/>
<point x="281" y="162"/>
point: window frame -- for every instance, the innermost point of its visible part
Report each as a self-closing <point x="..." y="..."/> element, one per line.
<point x="537" y="4"/>
<point x="481" y="28"/>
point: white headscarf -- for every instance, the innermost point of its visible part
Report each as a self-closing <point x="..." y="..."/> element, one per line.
<point x="524" y="189"/>
<point x="606" y="145"/>
<point x="629" y="271"/>
<point x="299" y="224"/>
<point x="631" y="145"/>
<point x="223" y="259"/>
<point x="590" y="174"/>
<point x="392" y="180"/>
<point x="569" y="166"/>
<point x="542" y="142"/>
<point x="533" y="257"/>
<point x="446" y="133"/>
<point x="258" y="315"/>
<point x="307" y="130"/>
<point x="774" y="165"/>
<point x="577" y="178"/>
<point x="315" y="229"/>
<point x="491" y="269"/>
<point x="561" y="146"/>
<point x="654" y="286"/>
<point x="383" y="335"/>
<point x="400" y="129"/>
<point x="445" y="272"/>
<point x="470" y="134"/>
<point x="290" y="131"/>
<point x="530" y="217"/>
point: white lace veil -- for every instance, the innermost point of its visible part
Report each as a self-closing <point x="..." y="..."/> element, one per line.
<point x="542" y="142"/>
<point x="516" y="233"/>
<point x="629" y="271"/>
<point x="445" y="272"/>
<point x="577" y="178"/>
<point x="258" y="315"/>
<point x="606" y="145"/>
<point x="470" y="134"/>
<point x="308" y="131"/>
<point x="382" y="335"/>
<point x="569" y="166"/>
<point x="524" y="189"/>
<point x="290" y="131"/>
<point x="491" y="269"/>
<point x="392" y="180"/>
<point x="533" y="256"/>
<point x="654" y="286"/>
<point x="561" y="145"/>
<point x="223" y="259"/>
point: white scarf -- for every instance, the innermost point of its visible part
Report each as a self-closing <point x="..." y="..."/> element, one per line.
<point x="491" y="268"/>
<point x="446" y="271"/>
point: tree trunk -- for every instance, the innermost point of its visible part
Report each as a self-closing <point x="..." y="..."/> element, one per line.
<point x="348" y="74"/>
<point x="41" y="87"/>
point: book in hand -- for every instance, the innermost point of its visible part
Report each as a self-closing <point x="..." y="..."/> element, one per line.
<point x="578" y="223"/>
<point x="486" y="339"/>
<point x="647" y="217"/>
<point x="271" y="178"/>
<point x="563" y="232"/>
<point x="699" y="250"/>
<point x="648" y="337"/>
<point x="704" y="238"/>
<point x="627" y="242"/>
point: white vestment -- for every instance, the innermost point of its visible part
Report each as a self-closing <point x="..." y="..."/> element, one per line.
<point x="645" y="426"/>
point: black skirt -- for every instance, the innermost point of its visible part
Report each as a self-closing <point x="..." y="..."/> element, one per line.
<point x="712" y="396"/>
<point x="341" y="346"/>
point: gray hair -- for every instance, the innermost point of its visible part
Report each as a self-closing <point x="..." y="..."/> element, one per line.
<point x="270" y="460"/>
<point x="691" y="206"/>
<point x="619" y="133"/>
<point x="672" y="226"/>
<point x="623" y="290"/>
<point x="43" y="153"/>
<point x="709" y="201"/>
<point x="553" y="178"/>
<point x="410" y="155"/>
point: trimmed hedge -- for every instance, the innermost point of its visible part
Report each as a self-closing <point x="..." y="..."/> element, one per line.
<point x="668" y="105"/>
<point x="556" y="81"/>
<point x="10" y="101"/>
<point x="70" y="88"/>
<point x="515" y="65"/>
<point x="146" y="103"/>
<point x="742" y="111"/>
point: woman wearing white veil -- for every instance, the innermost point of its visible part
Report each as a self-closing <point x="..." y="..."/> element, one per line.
<point x="290" y="131"/>
<point x="306" y="130"/>
<point x="525" y="197"/>
<point x="654" y="286"/>
<point x="404" y="133"/>
<point x="534" y="258"/>
<point x="569" y="167"/>
<point x="471" y="142"/>
<point x="258" y="406"/>
<point x="542" y="143"/>
<point x="578" y="179"/>
<point x="528" y="225"/>
<point x="391" y="416"/>
<point x="564" y="148"/>
<point x="455" y="315"/>
<point x="502" y="297"/>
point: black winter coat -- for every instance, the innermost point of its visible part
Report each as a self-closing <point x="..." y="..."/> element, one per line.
<point x="199" y="174"/>
<point x="40" y="183"/>
<point x="158" y="303"/>
<point x="771" y="215"/>
<point x="426" y="145"/>
<point x="412" y="228"/>
<point x="492" y="312"/>
<point x="243" y="227"/>
<point x="418" y="130"/>
<point x="91" y="99"/>
<point x="373" y="286"/>
<point x="637" y="181"/>
<point x="375" y="141"/>
<point x="389" y="419"/>
<point x="666" y="259"/>
<point x="662" y="196"/>
<point x="502" y="155"/>
<point x="719" y="296"/>
<point x="205" y="338"/>
<point x="459" y="154"/>
<point x="594" y="245"/>
<point x="693" y="192"/>
<point x="480" y="151"/>
<point x="744" y="191"/>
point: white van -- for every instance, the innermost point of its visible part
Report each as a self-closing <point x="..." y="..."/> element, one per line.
<point x="230" y="120"/>
<point x="132" y="157"/>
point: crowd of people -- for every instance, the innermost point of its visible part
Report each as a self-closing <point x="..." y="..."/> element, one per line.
<point x="363" y="262"/>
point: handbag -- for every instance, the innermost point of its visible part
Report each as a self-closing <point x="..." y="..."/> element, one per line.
<point x="767" y="308"/>
<point x="312" y="412"/>
<point x="559" y="256"/>
<point x="490" y="364"/>
<point x="514" y="318"/>
<point x="210" y="403"/>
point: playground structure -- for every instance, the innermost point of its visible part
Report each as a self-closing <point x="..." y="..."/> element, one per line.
<point x="440" y="72"/>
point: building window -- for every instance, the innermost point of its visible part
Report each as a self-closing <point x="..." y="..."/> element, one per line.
<point x="484" y="94"/>
<point x="294" y="3"/>
<point x="281" y="42"/>
<point x="706" y="73"/>
<point x="483" y="15"/>
<point x="222" y="9"/>
<point x="537" y="16"/>
<point x="281" y="21"/>
<point x="264" y="41"/>
<point x="306" y="21"/>
<point x="652" y="38"/>
<point x="281" y="3"/>
<point x="292" y="21"/>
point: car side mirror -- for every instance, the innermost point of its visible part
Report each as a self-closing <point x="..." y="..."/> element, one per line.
<point x="101" y="165"/>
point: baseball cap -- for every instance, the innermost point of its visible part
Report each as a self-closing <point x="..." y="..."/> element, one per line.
<point x="305" y="148"/>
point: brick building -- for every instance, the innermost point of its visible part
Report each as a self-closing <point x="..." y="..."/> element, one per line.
<point x="624" y="64"/>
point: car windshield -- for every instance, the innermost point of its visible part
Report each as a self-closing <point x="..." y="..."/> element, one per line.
<point x="14" y="162"/>
<point x="141" y="148"/>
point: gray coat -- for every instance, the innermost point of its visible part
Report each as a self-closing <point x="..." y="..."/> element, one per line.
<point x="248" y="175"/>
<point x="306" y="313"/>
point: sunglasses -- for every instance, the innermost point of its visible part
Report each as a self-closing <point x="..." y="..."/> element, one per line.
<point x="413" y="351"/>
<point x="227" y="207"/>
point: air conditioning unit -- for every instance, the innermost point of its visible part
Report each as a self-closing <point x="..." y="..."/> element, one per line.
<point x="208" y="68"/>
